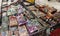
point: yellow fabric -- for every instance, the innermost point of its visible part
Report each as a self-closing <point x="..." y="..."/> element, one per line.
<point x="31" y="1"/>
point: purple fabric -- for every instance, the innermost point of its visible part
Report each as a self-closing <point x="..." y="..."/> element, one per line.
<point x="32" y="28"/>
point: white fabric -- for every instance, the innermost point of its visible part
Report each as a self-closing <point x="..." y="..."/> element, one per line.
<point x="9" y="2"/>
<point x="51" y="4"/>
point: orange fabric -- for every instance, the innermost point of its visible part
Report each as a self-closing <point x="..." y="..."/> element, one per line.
<point x="49" y="15"/>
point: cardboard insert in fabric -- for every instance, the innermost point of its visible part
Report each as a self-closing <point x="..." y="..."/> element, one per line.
<point x="13" y="20"/>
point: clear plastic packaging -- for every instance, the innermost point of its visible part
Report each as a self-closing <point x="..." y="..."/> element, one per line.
<point x="31" y="28"/>
<point x="5" y="23"/>
<point x="20" y="19"/>
<point x="23" y="31"/>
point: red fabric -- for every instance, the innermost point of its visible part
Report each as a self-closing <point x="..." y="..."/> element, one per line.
<point x="56" y="32"/>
